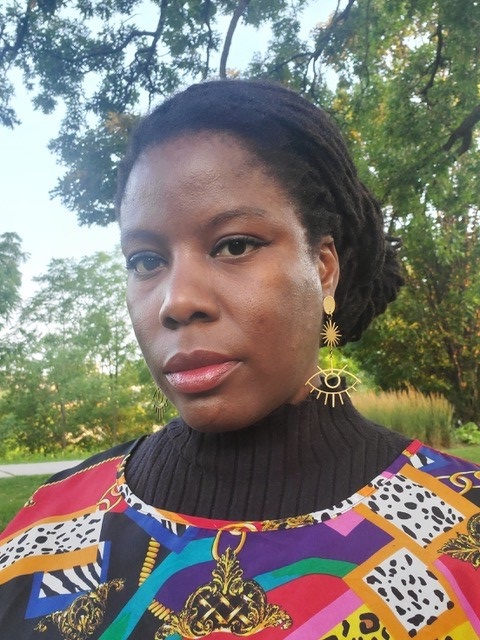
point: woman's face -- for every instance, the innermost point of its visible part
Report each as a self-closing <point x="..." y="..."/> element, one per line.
<point x="224" y="291"/>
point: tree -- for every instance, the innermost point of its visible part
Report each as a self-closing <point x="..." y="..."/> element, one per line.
<point x="73" y="376"/>
<point x="103" y="60"/>
<point x="11" y="257"/>
<point x="430" y="339"/>
<point x="412" y="119"/>
<point x="410" y="66"/>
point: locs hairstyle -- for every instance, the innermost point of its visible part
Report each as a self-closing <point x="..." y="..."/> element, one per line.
<point x="303" y="149"/>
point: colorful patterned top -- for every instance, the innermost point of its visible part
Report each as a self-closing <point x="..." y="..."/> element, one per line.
<point x="86" y="559"/>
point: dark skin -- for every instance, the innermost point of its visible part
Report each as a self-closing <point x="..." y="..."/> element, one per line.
<point x="224" y="291"/>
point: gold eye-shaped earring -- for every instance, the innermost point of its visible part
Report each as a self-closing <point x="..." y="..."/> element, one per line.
<point x="331" y="379"/>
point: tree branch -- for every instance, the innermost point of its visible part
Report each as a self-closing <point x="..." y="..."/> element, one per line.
<point x="314" y="55"/>
<point x="237" y="14"/>
<point x="336" y="19"/>
<point x="158" y="33"/>
<point x="22" y="30"/>
<point x="437" y="63"/>
<point x="101" y="50"/>
<point x="464" y="132"/>
<point x="367" y="49"/>
<point x="206" y="20"/>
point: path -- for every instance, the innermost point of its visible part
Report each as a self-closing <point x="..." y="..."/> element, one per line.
<point x="35" y="468"/>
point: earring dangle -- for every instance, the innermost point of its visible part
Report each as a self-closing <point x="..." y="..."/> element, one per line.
<point x="160" y="403"/>
<point x="331" y="384"/>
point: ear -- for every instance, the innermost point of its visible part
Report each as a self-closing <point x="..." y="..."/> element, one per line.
<point x="328" y="265"/>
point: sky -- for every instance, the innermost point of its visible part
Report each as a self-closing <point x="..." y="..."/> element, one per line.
<point x="29" y="171"/>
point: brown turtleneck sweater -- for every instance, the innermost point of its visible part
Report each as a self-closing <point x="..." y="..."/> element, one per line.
<point x="299" y="459"/>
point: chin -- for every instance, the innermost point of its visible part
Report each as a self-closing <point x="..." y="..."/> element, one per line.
<point x="207" y="416"/>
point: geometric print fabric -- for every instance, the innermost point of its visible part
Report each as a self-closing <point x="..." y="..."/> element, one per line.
<point x="397" y="560"/>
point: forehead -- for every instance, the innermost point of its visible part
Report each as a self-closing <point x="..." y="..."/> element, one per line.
<point x="194" y="154"/>
<point x="195" y="166"/>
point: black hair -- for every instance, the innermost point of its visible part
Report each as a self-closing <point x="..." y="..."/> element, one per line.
<point x="303" y="148"/>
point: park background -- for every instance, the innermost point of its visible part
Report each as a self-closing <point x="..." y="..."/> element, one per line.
<point x="401" y="78"/>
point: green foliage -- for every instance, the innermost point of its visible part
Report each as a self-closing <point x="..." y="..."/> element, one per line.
<point x="8" y="425"/>
<point x="468" y="433"/>
<point x="11" y="257"/>
<point x="408" y="98"/>
<point x="430" y="339"/>
<point x="16" y="455"/>
<point x="428" y="418"/>
<point x="104" y="59"/>
<point x="73" y="375"/>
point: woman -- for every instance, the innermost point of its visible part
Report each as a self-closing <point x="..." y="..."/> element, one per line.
<point x="263" y="510"/>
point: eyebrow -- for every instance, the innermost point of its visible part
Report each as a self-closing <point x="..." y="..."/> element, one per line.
<point x="208" y="225"/>
<point x="233" y="214"/>
<point x="139" y="234"/>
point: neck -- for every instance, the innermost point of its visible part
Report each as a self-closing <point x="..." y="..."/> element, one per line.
<point x="299" y="459"/>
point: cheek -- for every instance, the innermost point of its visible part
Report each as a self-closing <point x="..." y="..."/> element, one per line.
<point x="304" y="289"/>
<point x="305" y="318"/>
<point x="287" y="311"/>
<point x="132" y="306"/>
<point x="141" y="315"/>
<point x="307" y="300"/>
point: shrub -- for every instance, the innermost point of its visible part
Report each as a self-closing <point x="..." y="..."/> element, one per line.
<point x="428" y="418"/>
<point x="468" y="433"/>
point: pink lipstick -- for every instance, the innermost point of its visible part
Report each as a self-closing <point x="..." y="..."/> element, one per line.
<point x="198" y="372"/>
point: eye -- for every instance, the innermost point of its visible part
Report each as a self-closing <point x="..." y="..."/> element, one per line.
<point x="237" y="246"/>
<point x="145" y="263"/>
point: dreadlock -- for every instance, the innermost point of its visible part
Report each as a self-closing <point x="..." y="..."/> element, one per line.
<point x="304" y="150"/>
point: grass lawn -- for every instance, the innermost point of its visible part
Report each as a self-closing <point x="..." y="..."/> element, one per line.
<point x="471" y="452"/>
<point x="14" y="457"/>
<point x="14" y="492"/>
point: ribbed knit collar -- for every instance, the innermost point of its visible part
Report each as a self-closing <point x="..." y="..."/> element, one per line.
<point x="299" y="459"/>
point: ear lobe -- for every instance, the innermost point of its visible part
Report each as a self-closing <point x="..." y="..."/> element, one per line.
<point x="329" y="267"/>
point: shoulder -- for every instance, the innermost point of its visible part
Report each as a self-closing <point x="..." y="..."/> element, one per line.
<point x="435" y="469"/>
<point x="96" y="464"/>
<point x="430" y="459"/>
<point x="75" y="490"/>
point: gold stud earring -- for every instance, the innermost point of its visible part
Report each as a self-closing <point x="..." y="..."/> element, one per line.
<point x="331" y="379"/>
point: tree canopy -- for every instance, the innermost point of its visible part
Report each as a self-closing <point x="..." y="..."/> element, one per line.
<point x="401" y="77"/>
<point x="11" y="257"/>
<point x="72" y="373"/>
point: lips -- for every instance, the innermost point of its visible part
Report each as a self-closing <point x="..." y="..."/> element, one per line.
<point x="198" y="372"/>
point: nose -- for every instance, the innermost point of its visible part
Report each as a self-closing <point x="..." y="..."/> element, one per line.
<point x="189" y="295"/>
